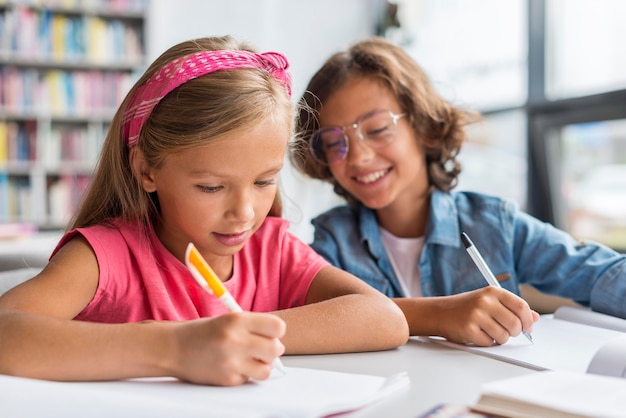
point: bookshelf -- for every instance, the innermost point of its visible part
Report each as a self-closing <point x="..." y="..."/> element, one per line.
<point x="65" y="66"/>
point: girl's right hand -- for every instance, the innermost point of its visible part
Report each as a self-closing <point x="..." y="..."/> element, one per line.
<point x="485" y="316"/>
<point x="227" y="350"/>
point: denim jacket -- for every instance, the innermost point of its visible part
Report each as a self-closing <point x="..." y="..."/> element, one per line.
<point x="517" y="247"/>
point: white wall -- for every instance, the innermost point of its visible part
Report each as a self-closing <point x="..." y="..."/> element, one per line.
<point x="306" y="31"/>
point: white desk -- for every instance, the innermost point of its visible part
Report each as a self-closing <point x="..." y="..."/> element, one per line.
<point x="438" y="374"/>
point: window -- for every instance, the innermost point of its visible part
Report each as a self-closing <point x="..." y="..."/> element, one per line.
<point x="593" y="178"/>
<point x="471" y="57"/>
<point x="549" y="76"/>
<point x="455" y="44"/>
<point x="494" y="158"/>
<point x="584" y="47"/>
<point x="577" y="120"/>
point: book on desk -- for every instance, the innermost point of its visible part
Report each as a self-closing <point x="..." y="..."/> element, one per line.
<point x="581" y="356"/>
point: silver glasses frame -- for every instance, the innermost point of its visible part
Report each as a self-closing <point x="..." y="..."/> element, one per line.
<point x="356" y="126"/>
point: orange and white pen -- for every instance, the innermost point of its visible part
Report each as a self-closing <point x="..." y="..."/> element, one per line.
<point x="206" y="277"/>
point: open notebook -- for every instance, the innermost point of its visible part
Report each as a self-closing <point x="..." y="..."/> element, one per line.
<point x="300" y="393"/>
<point x="554" y="394"/>
<point x="571" y="340"/>
<point x="581" y="356"/>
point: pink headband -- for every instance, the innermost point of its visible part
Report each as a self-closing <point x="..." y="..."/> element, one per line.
<point x="187" y="68"/>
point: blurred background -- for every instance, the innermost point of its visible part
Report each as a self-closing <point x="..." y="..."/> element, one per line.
<point x="549" y="77"/>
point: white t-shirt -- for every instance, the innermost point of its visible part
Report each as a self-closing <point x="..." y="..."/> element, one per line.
<point x="404" y="254"/>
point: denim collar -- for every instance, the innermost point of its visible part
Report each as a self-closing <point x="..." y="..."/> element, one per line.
<point x="443" y="222"/>
<point x="442" y="227"/>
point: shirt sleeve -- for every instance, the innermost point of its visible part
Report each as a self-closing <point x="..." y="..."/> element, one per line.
<point x="554" y="262"/>
<point x="300" y="264"/>
<point x="325" y="244"/>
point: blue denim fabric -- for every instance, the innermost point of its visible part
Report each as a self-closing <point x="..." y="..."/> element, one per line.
<point x="517" y="247"/>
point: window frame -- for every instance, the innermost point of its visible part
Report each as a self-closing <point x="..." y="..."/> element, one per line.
<point x="544" y="117"/>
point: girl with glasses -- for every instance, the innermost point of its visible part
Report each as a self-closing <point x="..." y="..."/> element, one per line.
<point x="372" y="125"/>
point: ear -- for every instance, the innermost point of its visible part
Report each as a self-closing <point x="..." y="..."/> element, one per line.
<point x="141" y="170"/>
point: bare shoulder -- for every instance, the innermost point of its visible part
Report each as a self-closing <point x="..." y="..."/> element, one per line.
<point x="63" y="288"/>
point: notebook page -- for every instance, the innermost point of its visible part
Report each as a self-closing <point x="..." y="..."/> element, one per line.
<point x="306" y="393"/>
<point x="587" y="317"/>
<point x="610" y="360"/>
<point x="558" y="345"/>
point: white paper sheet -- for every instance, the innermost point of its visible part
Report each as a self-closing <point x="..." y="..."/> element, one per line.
<point x="301" y="393"/>
<point x="558" y="345"/>
<point x="587" y="317"/>
<point x="610" y="360"/>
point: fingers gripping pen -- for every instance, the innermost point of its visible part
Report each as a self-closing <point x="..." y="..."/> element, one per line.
<point x="206" y="277"/>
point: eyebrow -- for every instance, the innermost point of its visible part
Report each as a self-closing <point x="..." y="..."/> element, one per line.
<point x="203" y="173"/>
<point x="368" y="113"/>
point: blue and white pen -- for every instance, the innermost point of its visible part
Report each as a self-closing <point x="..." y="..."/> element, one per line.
<point x="484" y="268"/>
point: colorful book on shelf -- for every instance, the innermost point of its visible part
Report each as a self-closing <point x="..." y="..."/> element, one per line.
<point x="572" y="340"/>
<point x="57" y="31"/>
<point x="4" y="197"/>
<point x="4" y="143"/>
<point x="16" y="229"/>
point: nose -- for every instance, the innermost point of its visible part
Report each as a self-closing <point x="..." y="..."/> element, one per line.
<point x="240" y="207"/>
<point x="358" y="151"/>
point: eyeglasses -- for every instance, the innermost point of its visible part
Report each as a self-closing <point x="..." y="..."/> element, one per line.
<point x="376" y="129"/>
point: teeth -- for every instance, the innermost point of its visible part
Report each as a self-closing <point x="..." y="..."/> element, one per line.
<point x="372" y="177"/>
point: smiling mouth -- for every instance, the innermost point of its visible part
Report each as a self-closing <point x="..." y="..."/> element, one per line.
<point x="372" y="177"/>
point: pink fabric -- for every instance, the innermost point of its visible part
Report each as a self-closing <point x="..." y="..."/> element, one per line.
<point x="192" y="66"/>
<point x="140" y="279"/>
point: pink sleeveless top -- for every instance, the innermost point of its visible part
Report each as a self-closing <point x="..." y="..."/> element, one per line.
<point x="140" y="279"/>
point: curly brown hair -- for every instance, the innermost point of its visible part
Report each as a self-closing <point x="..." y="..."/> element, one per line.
<point x="438" y="124"/>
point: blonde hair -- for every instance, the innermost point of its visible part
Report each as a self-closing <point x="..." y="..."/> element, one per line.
<point x="191" y="115"/>
<point x="438" y="125"/>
